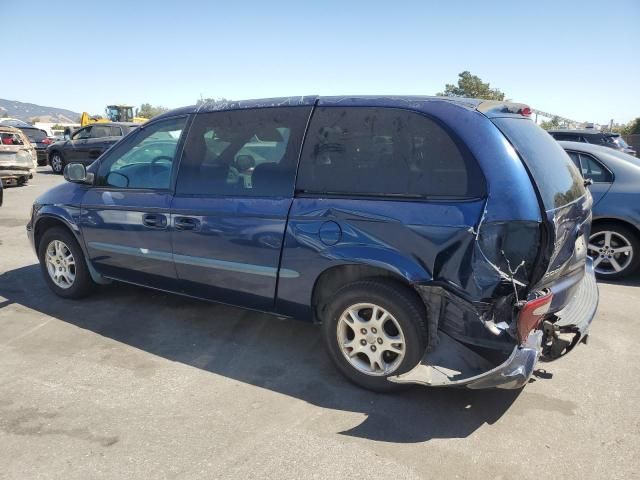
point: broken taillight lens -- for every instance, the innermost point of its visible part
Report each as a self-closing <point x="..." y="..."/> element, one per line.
<point x="532" y="314"/>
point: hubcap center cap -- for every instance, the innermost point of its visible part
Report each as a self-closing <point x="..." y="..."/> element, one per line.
<point x="371" y="338"/>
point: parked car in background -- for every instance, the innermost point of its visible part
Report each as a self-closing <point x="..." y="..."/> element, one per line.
<point x="36" y="136"/>
<point x="17" y="157"/>
<point x="614" y="243"/>
<point x="595" y="137"/>
<point x="438" y="241"/>
<point x="86" y="144"/>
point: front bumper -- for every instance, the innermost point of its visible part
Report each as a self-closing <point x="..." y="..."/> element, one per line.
<point x="453" y="364"/>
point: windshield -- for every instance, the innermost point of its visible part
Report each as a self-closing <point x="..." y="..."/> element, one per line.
<point x="557" y="178"/>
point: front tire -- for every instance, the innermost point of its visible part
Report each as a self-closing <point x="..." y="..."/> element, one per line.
<point x="615" y="250"/>
<point x="63" y="264"/>
<point x="56" y="160"/>
<point x="375" y="329"/>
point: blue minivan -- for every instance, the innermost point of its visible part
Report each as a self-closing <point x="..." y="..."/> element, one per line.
<point x="437" y="241"/>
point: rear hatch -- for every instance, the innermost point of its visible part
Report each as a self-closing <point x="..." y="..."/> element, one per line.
<point x="565" y="201"/>
<point x="15" y="155"/>
<point x="35" y="136"/>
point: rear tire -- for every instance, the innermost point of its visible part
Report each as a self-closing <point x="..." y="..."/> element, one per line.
<point x="368" y="350"/>
<point x="615" y="250"/>
<point x="63" y="264"/>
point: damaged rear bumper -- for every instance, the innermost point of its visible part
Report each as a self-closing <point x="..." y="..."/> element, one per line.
<point x="11" y="177"/>
<point x="570" y="326"/>
<point x="453" y="364"/>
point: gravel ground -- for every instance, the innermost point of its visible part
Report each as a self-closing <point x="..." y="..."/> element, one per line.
<point x="132" y="383"/>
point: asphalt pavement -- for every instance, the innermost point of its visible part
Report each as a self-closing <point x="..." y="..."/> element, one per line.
<point x="132" y="383"/>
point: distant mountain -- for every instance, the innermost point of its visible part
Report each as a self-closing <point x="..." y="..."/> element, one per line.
<point x="29" y="111"/>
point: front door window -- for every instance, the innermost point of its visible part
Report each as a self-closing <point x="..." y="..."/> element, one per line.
<point x="146" y="160"/>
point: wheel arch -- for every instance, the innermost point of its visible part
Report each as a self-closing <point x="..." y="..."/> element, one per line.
<point x="48" y="220"/>
<point x="617" y="221"/>
<point x="52" y="151"/>
<point x="335" y="277"/>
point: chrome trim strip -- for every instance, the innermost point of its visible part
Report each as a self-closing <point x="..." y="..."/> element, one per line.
<point x="195" y="261"/>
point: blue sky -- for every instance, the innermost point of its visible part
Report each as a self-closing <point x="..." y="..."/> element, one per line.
<point x="578" y="59"/>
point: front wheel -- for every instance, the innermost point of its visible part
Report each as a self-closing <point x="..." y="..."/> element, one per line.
<point x="63" y="264"/>
<point x="615" y="250"/>
<point x="57" y="163"/>
<point x="374" y="330"/>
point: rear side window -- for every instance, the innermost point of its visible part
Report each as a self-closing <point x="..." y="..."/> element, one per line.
<point x="594" y="170"/>
<point x="100" y="131"/>
<point x="384" y="151"/>
<point x="567" y="137"/>
<point x="250" y="152"/>
<point x="9" y="138"/>
<point x="557" y="178"/>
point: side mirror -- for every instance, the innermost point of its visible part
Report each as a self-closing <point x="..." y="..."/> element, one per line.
<point x="588" y="182"/>
<point x="77" y="173"/>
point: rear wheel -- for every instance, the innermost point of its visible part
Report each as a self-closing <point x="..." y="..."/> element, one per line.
<point x="615" y="250"/>
<point x="373" y="330"/>
<point x="63" y="264"/>
<point x="57" y="162"/>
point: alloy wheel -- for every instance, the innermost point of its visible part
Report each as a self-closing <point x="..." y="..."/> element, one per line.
<point x="56" y="163"/>
<point x="371" y="339"/>
<point x="611" y="251"/>
<point x="60" y="264"/>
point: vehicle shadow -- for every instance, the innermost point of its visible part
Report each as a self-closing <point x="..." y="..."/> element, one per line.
<point x="285" y="356"/>
<point x="631" y="281"/>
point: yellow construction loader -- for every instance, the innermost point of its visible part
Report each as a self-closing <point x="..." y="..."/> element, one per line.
<point x="113" y="113"/>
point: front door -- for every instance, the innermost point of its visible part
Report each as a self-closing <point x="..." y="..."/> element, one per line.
<point x="125" y="218"/>
<point x="233" y="194"/>
<point x="75" y="149"/>
<point x="595" y="171"/>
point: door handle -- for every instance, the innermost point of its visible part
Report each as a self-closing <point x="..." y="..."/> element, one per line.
<point x="186" y="223"/>
<point x="154" y="220"/>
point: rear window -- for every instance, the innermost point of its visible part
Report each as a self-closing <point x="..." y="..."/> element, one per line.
<point x="35" y="134"/>
<point x="557" y="178"/>
<point x="387" y="152"/>
<point x="619" y="141"/>
<point x="8" y="138"/>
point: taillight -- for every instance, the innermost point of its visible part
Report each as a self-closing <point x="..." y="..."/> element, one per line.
<point x="47" y="141"/>
<point x="526" y="111"/>
<point x="532" y="314"/>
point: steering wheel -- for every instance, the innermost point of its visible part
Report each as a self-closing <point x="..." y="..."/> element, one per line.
<point x="161" y="157"/>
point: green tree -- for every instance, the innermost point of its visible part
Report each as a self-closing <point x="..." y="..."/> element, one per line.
<point x="471" y="86"/>
<point x="147" y="110"/>
<point x="633" y="127"/>
<point x="550" y="124"/>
